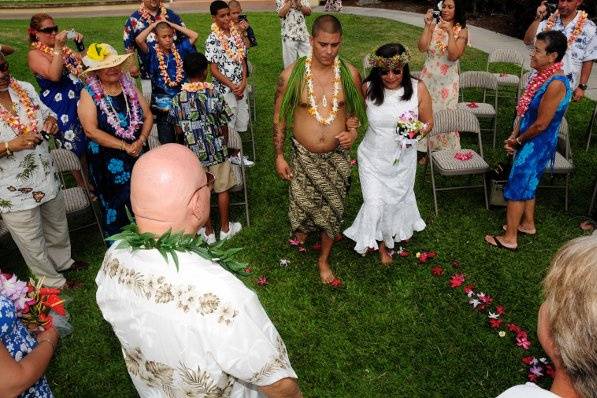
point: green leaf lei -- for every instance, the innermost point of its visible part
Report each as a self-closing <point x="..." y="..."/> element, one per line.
<point x="355" y="105"/>
<point x="169" y="243"/>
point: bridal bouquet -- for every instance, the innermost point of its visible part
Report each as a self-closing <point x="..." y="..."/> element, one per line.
<point x="39" y="308"/>
<point x="409" y="130"/>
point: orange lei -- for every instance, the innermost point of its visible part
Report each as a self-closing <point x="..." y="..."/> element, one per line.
<point x="164" y="68"/>
<point x="197" y="86"/>
<point x="440" y="46"/>
<point x="238" y="56"/>
<point x="580" y="24"/>
<point x="71" y="61"/>
<point x="13" y="120"/>
<point x="146" y="15"/>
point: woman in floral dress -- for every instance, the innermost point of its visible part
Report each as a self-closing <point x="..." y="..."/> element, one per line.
<point x="444" y="43"/>
<point x="56" y="69"/>
<point x="117" y="121"/>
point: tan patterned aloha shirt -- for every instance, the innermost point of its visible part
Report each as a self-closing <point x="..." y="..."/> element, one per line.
<point x="27" y="178"/>
<point x="195" y="332"/>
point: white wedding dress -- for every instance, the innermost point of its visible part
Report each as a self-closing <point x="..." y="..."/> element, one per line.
<point x="389" y="212"/>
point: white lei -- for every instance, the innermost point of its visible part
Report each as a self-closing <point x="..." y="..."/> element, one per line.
<point x="313" y="107"/>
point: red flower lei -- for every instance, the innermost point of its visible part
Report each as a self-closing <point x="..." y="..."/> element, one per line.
<point x="237" y="56"/>
<point x="580" y="24"/>
<point x="147" y="16"/>
<point x="13" y="120"/>
<point x="536" y="82"/>
<point x="71" y="61"/>
<point x="164" y="68"/>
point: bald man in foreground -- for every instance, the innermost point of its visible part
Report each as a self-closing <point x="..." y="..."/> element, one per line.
<point x="192" y="328"/>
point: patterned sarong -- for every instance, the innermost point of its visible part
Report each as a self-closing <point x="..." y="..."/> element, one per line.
<point x="318" y="190"/>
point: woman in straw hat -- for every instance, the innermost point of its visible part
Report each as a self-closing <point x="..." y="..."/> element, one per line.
<point x="117" y="121"/>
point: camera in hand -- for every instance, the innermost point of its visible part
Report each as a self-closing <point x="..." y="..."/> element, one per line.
<point x="552" y="7"/>
<point x="436" y="16"/>
<point x="250" y="32"/>
<point x="71" y="35"/>
<point x="46" y="136"/>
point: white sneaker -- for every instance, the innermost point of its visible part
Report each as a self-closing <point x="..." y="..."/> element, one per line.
<point x="209" y="239"/>
<point x="233" y="229"/>
<point x="245" y="160"/>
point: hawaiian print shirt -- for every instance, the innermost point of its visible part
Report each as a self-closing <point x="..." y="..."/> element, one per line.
<point x="18" y="342"/>
<point x="27" y="178"/>
<point x="188" y="330"/>
<point x="201" y="116"/>
<point x="137" y="24"/>
<point x="293" y="24"/>
<point x="583" y="49"/>
<point x="161" y="93"/>
<point x="215" y="54"/>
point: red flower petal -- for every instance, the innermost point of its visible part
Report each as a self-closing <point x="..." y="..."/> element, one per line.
<point x="527" y="360"/>
<point x="248" y="270"/>
<point x="262" y="280"/>
<point x="532" y="377"/>
<point x="514" y="328"/>
<point x="495" y="323"/>
<point x="403" y="253"/>
<point x="469" y="288"/>
<point x="500" y="310"/>
<point x="456" y="280"/>
<point x="437" y="271"/>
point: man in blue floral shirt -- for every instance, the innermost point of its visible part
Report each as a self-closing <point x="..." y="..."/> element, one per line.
<point x="149" y="12"/>
<point x="200" y="114"/>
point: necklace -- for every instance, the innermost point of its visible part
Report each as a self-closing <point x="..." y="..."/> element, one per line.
<point x="164" y="68"/>
<point x="133" y="110"/>
<point x="313" y="108"/>
<point x="197" y="86"/>
<point x="71" y="61"/>
<point x="148" y="16"/>
<point x="239" y="54"/>
<point x="578" y="27"/>
<point x="30" y="110"/>
<point x="440" y="46"/>
<point x="536" y="82"/>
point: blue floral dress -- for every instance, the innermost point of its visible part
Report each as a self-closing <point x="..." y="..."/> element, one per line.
<point x="18" y="342"/>
<point x="532" y="158"/>
<point x="62" y="98"/>
<point x="110" y="169"/>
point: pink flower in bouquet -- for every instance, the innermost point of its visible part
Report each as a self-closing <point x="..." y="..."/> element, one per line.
<point x="16" y="291"/>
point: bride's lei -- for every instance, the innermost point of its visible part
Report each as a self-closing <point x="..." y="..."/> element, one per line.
<point x="313" y="107"/>
<point x="578" y="27"/>
<point x="536" y="82"/>
<point x="239" y="54"/>
<point x="164" y="68"/>
<point x="130" y="97"/>
<point x="30" y="110"/>
<point x="72" y="63"/>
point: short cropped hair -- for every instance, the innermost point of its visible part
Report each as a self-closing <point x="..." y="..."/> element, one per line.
<point x="162" y="25"/>
<point x="556" y="43"/>
<point x="327" y="23"/>
<point x="570" y="289"/>
<point x="194" y="65"/>
<point x="216" y="6"/>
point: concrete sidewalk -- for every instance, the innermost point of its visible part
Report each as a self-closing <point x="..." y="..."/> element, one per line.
<point x="482" y="39"/>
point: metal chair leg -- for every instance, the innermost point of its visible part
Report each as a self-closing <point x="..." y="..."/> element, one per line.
<point x="433" y="184"/>
<point x="566" y="190"/>
<point x="485" y="191"/>
<point x="244" y="182"/>
<point x="590" y="128"/>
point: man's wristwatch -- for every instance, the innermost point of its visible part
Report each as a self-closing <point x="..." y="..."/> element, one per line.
<point x="582" y="86"/>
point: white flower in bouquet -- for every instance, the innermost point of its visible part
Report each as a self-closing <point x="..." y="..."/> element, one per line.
<point x="409" y="126"/>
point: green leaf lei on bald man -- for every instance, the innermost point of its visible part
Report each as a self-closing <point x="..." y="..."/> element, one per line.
<point x="353" y="101"/>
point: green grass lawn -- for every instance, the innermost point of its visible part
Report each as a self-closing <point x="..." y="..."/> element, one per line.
<point x="392" y="332"/>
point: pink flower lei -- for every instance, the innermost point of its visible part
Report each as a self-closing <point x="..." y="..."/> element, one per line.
<point x="536" y="82"/>
<point x="130" y="96"/>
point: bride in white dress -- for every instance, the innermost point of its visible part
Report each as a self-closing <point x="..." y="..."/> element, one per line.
<point x="389" y="212"/>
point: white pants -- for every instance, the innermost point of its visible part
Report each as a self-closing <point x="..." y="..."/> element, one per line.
<point x="294" y="49"/>
<point x="41" y="234"/>
<point x="240" y="117"/>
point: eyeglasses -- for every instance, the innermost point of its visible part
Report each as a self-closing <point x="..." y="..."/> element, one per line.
<point x="4" y="67"/>
<point x="394" y="71"/>
<point x="49" y="29"/>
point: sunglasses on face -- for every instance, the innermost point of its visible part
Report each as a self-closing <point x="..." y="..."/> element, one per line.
<point x="4" y="67"/>
<point x="49" y="29"/>
<point x="394" y="71"/>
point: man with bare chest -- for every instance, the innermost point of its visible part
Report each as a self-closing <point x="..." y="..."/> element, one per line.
<point x="316" y="96"/>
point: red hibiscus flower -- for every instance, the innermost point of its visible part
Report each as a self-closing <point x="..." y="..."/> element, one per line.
<point x="500" y="310"/>
<point x="528" y="360"/>
<point x="55" y="303"/>
<point x="469" y="289"/>
<point x="456" y="280"/>
<point x="437" y="271"/>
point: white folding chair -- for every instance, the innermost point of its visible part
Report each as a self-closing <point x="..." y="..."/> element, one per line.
<point x="507" y="81"/>
<point x="482" y="110"/>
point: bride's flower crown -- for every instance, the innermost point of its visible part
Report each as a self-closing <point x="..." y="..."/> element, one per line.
<point x="377" y="61"/>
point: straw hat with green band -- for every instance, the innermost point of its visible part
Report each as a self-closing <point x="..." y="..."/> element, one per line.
<point x="102" y="56"/>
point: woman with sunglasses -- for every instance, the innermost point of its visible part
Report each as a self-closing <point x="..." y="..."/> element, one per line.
<point x="444" y="39"/>
<point x="56" y="68"/>
<point x="388" y="159"/>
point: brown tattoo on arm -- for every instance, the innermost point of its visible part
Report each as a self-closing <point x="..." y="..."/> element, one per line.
<point x="279" y="125"/>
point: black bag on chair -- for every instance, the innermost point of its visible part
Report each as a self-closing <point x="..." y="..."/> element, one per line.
<point x="498" y="177"/>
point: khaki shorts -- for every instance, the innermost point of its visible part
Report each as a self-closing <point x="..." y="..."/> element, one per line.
<point x="224" y="177"/>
